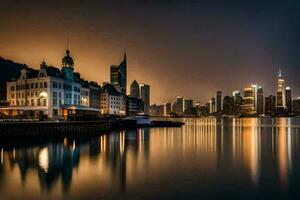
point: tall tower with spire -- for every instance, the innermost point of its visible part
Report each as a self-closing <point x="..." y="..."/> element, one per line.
<point x="118" y="75"/>
<point x="281" y="102"/>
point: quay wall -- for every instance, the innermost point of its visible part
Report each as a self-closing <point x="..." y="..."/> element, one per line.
<point x="55" y="129"/>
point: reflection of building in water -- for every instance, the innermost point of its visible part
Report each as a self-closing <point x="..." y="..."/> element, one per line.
<point x="122" y="151"/>
<point x="51" y="161"/>
<point x="195" y="140"/>
<point x="251" y="147"/>
<point x="284" y="149"/>
<point x="239" y="146"/>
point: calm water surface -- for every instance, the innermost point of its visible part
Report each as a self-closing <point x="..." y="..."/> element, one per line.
<point x="205" y="159"/>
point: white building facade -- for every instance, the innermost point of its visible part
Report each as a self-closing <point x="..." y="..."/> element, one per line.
<point x="111" y="101"/>
<point x="48" y="93"/>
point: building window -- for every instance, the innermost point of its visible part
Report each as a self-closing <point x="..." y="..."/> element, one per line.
<point x="54" y="85"/>
<point x="60" y="102"/>
<point x="54" y="102"/>
<point x="59" y="94"/>
<point x="59" y="85"/>
<point x="12" y="88"/>
<point x="31" y="85"/>
<point x="44" y="102"/>
<point x="32" y="102"/>
<point x="45" y="85"/>
<point x="12" y="96"/>
<point x="54" y="94"/>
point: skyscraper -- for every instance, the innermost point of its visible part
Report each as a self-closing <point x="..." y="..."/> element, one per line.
<point x="289" y="103"/>
<point x="118" y="76"/>
<point x="135" y="89"/>
<point x="248" y="103"/>
<point x="237" y="101"/>
<point x="228" y="105"/>
<point x="167" y="109"/>
<point x="180" y="105"/>
<point x="296" y="106"/>
<point x="260" y="101"/>
<point x="254" y="89"/>
<point x="270" y="105"/>
<point x="212" y="105"/>
<point x="219" y="101"/>
<point x="145" y="96"/>
<point x="188" y="105"/>
<point x="280" y="91"/>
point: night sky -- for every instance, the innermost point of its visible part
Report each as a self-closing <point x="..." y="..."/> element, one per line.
<point x="188" y="48"/>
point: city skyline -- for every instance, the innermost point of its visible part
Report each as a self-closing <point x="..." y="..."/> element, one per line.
<point x="205" y="42"/>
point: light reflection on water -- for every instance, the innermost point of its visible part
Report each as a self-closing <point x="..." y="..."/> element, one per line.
<point x="206" y="158"/>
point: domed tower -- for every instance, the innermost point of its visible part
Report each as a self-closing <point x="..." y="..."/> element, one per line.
<point x="68" y="66"/>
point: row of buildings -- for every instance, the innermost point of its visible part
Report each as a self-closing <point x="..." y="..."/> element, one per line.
<point x="180" y="107"/>
<point x="57" y="93"/>
<point x="251" y="103"/>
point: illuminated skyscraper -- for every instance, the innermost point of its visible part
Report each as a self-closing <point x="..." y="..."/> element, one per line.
<point x="289" y="103"/>
<point x="180" y="105"/>
<point x="237" y="98"/>
<point x="280" y="91"/>
<point x="260" y="101"/>
<point x="212" y="105"/>
<point x="118" y="76"/>
<point x="254" y="89"/>
<point x="248" y="103"/>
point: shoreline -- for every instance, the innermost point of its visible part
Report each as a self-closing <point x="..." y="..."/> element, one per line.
<point x="11" y="130"/>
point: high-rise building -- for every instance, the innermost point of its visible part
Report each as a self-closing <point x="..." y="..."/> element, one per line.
<point x="118" y="76"/>
<point x="219" y="101"/>
<point x="296" y="106"/>
<point x="237" y="102"/>
<point x="288" y="97"/>
<point x="228" y="105"/>
<point x="280" y="91"/>
<point x="270" y="105"/>
<point x="260" y="101"/>
<point x="179" y="105"/>
<point x="248" y="103"/>
<point x="212" y="105"/>
<point x="145" y="96"/>
<point x="188" y="105"/>
<point x="254" y="89"/>
<point x="135" y="89"/>
<point x="168" y="109"/>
